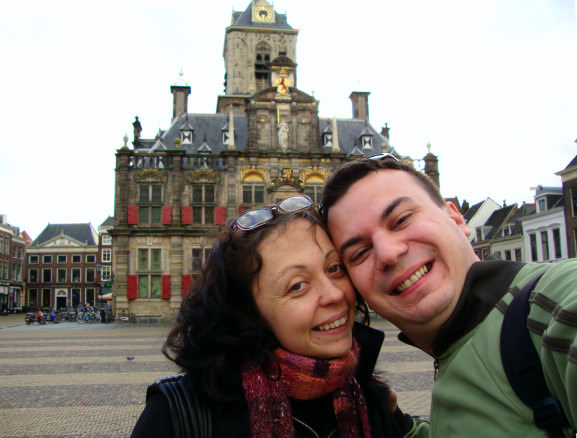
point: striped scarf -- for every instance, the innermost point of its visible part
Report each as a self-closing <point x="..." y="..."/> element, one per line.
<point x="304" y="378"/>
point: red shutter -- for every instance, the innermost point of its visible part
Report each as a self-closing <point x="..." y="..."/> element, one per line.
<point x="240" y="210"/>
<point x="219" y="215"/>
<point x="186" y="215"/>
<point x="166" y="287"/>
<point x="131" y="286"/>
<point x="186" y="283"/>
<point x="166" y="215"/>
<point x="132" y="216"/>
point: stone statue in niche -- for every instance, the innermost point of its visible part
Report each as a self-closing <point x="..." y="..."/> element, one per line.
<point x="283" y="133"/>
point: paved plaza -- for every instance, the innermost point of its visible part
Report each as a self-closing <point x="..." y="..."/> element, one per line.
<point x="81" y="380"/>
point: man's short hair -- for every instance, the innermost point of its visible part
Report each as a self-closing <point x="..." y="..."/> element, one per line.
<point x="353" y="171"/>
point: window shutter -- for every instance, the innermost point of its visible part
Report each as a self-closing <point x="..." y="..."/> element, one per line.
<point x="186" y="283"/>
<point x="131" y="286"/>
<point x="166" y="287"/>
<point x="240" y="210"/>
<point x="186" y="215"/>
<point x="132" y="216"/>
<point x="219" y="215"/>
<point x="166" y="215"/>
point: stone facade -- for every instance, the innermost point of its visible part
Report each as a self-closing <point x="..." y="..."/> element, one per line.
<point x="265" y="142"/>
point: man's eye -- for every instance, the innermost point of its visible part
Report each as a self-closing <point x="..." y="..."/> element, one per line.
<point x="358" y="255"/>
<point x="402" y="219"/>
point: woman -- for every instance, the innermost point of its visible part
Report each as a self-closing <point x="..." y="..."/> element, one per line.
<point x="268" y="338"/>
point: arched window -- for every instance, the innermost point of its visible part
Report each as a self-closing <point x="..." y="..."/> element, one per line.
<point x="261" y="66"/>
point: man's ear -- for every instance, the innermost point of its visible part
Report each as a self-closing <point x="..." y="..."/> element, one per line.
<point x="457" y="217"/>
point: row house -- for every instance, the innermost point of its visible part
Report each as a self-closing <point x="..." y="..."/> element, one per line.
<point x="498" y="226"/>
<point x="62" y="267"/>
<point x="569" y="180"/>
<point x="104" y="268"/>
<point x="265" y="142"/>
<point x="13" y="243"/>
<point x="544" y="236"/>
<point x="543" y="232"/>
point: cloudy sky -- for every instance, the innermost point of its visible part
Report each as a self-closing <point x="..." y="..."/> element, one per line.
<point x="491" y="84"/>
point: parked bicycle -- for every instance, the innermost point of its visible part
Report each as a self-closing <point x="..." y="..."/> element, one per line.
<point x="88" y="315"/>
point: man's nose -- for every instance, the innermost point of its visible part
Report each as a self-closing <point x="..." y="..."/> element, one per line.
<point x="388" y="249"/>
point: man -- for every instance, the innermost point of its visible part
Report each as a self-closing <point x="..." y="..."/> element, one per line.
<point x="407" y="252"/>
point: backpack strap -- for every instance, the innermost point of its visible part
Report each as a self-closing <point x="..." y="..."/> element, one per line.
<point x="190" y="415"/>
<point x="523" y="366"/>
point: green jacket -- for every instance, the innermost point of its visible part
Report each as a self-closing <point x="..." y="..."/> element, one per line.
<point x="472" y="397"/>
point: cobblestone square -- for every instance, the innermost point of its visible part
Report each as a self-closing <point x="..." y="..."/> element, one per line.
<point x="72" y="380"/>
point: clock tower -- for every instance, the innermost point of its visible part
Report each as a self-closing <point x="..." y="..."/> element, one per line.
<point x="255" y="38"/>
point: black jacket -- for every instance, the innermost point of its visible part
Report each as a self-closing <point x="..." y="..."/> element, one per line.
<point x="318" y="413"/>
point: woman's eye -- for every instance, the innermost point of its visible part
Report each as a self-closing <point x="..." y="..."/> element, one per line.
<point x="336" y="268"/>
<point x="297" y="287"/>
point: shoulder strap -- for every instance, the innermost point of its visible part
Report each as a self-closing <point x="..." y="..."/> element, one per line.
<point x="191" y="416"/>
<point x="523" y="365"/>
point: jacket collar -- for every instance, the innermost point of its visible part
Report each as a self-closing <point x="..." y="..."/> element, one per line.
<point x="485" y="285"/>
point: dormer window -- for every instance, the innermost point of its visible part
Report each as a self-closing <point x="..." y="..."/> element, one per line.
<point x="542" y="203"/>
<point x="367" y="141"/>
<point x="327" y="139"/>
<point x="187" y="137"/>
<point x="508" y="230"/>
<point x="483" y="233"/>
<point x="225" y="134"/>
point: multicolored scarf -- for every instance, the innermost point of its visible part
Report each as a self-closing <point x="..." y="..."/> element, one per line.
<point x="304" y="378"/>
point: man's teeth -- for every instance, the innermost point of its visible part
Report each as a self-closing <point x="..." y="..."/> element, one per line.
<point x="333" y="325"/>
<point x="412" y="279"/>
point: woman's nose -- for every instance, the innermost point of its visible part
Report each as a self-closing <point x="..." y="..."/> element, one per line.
<point x="331" y="292"/>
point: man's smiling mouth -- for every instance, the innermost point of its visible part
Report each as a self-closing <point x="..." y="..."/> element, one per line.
<point x="417" y="275"/>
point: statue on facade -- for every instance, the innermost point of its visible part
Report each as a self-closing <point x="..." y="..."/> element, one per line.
<point x="283" y="132"/>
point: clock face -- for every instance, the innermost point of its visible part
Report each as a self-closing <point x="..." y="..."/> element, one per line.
<point x="263" y="14"/>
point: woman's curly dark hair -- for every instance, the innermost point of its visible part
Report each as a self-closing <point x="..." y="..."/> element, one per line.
<point x="218" y="325"/>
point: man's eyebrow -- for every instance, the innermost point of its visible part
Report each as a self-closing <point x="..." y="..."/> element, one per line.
<point x="391" y="207"/>
<point x="385" y="214"/>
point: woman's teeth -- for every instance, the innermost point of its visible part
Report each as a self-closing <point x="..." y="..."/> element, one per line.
<point x="412" y="279"/>
<point x="333" y="325"/>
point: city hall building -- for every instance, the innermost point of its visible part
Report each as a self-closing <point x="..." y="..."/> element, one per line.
<point x="265" y="142"/>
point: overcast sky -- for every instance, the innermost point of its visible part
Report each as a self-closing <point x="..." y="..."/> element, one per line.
<point x="491" y="84"/>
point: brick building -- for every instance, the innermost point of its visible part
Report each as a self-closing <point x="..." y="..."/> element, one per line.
<point x="13" y="244"/>
<point x="265" y="142"/>
<point x="569" y="178"/>
<point x="62" y="267"/>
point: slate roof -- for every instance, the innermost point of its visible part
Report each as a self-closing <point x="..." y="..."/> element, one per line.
<point x="497" y="219"/>
<point x="109" y="221"/>
<point x="524" y="210"/>
<point x="80" y="232"/>
<point x="572" y="163"/>
<point x="472" y="211"/>
<point x="208" y="129"/>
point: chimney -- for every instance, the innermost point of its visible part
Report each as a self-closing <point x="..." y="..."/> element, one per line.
<point x="432" y="166"/>
<point x="360" y="101"/>
<point x="385" y="131"/>
<point x="179" y="100"/>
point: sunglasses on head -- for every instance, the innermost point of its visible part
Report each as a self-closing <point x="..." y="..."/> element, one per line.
<point x="384" y="156"/>
<point x="260" y="216"/>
